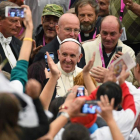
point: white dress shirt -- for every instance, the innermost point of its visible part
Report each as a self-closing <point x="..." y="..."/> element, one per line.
<point x="7" y="50"/>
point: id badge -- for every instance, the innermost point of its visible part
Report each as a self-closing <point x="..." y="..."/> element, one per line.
<point x="123" y="36"/>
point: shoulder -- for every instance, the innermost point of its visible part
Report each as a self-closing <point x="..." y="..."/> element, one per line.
<point x="126" y="48"/>
<point x="78" y="70"/>
<point x="16" y="40"/>
<point x="91" y="44"/>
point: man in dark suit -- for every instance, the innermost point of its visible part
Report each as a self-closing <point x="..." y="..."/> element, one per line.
<point x="68" y="27"/>
<point x="9" y="45"/>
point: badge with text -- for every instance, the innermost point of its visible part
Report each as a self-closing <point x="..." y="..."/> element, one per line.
<point x="123" y="36"/>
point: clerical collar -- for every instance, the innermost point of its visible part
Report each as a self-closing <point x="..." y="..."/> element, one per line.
<point x="86" y="34"/>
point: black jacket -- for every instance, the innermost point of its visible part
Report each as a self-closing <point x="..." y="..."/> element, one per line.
<point x="53" y="46"/>
<point x="15" y="47"/>
<point x="39" y="35"/>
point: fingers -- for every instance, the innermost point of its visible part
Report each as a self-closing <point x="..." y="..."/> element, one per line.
<point x="112" y="102"/>
<point x="90" y="64"/>
<point x="38" y="48"/>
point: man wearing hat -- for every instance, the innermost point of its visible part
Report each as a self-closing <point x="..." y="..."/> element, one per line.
<point x="46" y="31"/>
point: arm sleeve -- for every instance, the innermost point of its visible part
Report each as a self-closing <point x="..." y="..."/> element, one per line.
<point x="19" y="72"/>
<point x="128" y="100"/>
<point x="36" y="132"/>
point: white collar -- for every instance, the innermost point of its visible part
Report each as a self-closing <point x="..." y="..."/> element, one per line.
<point x="4" y="40"/>
<point x="59" y="40"/>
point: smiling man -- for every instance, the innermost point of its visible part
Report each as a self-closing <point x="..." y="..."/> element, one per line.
<point x="68" y="27"/>
<point x="105" y="47"/>
<point x="9" y="45"/>
<point x="69" y="55"/>
<point x="46" y="32"/>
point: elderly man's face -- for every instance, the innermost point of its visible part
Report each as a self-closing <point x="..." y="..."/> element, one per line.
<point x="69" y="56"/>
<point x="10" y="26"/>
<point x="110" y="34"/>
<point x="87" y="17"/>
<point x="104" y="7"/>
<point x="69" y="28"/>
<point x="49" y="23"/>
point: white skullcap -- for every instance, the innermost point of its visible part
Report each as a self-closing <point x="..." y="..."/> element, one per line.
<point x="70" y="40"/>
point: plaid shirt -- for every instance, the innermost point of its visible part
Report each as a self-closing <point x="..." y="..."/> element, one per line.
<point x="130" y="21"/>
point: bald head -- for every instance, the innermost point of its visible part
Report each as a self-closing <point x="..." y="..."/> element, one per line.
<point x="111" y="20"/>
<point x="68" y="26"/>
<point x="68" y="17"/>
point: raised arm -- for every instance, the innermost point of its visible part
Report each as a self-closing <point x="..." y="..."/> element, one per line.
<point x="107" y="115"/>
<point x="19" y="72"/>
<point x="86" y="75"/>
<point x="47" y="93"/>
<point x="73" y="109"/>
<point x="27" y="41"/>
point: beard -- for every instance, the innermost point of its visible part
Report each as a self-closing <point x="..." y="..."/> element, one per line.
<point x="87" y="27"/>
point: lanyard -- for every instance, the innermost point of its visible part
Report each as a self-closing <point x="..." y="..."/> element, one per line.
<point x="44" y="40"/>
<point x="102" y="58"/>
<point x="94" y="36"/>
<point x="21" y="31"/>
<point x="69" y="4"/>
<point x="121" y="10"/>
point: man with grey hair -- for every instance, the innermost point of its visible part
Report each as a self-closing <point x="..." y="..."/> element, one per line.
<point x="87" y="12"/>
<point x="9" y="45"/>
<point x="69" y="55"/>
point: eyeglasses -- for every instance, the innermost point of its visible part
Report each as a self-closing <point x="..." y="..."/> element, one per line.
<point x="49" y="19"/>
<point x="69" y="30"/>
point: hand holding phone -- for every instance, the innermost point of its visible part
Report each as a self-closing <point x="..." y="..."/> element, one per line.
<point x="118" y="49"/>
<point x="51" y="54"/>
<point x="90" y="107"/>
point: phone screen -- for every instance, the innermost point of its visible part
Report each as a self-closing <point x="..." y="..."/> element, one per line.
<point x="118" y="49"/>
<point x="80" y="92"/>
<point x="14" y="12"/>
<point x="90" y="107"/>
<point x="45" y="56"/>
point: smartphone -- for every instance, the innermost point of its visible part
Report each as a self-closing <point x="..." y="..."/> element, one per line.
<point x="90" y="107"/>
<point x="12" y="11"/>
<point x="80" y="92"/>
<point x="118" y="49"/>
<point x="51" y="54"/>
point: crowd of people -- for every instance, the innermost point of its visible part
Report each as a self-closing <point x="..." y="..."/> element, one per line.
<point x="57" y="78"/>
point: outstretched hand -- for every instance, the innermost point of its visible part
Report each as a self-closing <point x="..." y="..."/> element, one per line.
<point x="35" y="49"/>
<point x="89" y="65"/>
<point x="106" y="108"/>
<point x="110" y="75"/>
<point x="28" y="16"/>
<point x="74" y="106"/>
<point x="53" y="67"/>
<point x="123" y="75"/>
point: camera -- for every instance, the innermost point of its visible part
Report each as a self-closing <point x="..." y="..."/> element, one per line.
<point x="90" y="107"/>
<point x="51" y="54"/>
<point x="12" y="11"/>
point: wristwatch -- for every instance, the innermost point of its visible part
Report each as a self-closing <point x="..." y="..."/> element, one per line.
<point x="65" y="114"/>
